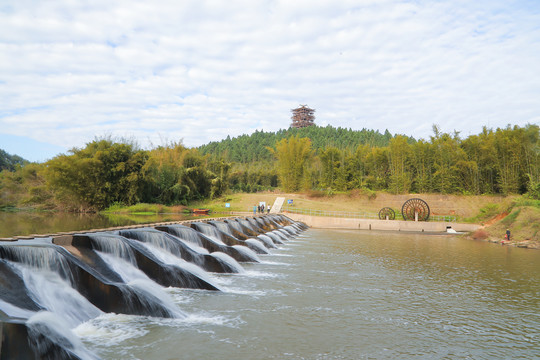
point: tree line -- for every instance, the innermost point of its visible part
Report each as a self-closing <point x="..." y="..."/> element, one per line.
<point x="254" y="148"/>
<point x="326" y="159"/>
<point x="106" y="172"/>
<point x="502" y="161"/>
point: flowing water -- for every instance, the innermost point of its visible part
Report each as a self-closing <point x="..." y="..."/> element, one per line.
<point x="348" y="295"/>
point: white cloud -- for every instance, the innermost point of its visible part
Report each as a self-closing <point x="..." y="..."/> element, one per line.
<point x="202" y="70"/>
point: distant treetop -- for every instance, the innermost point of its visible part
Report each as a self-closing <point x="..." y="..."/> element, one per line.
<point x="250" y="148"/>
<point x="302" y="117"/>
<point x="10" y="162"/>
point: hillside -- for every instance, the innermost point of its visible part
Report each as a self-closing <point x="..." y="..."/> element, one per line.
<point x="251" y="148"/>
<point x="458" y="205"/>
<point x="521" y="219"/>
<point x="497" y="213"/>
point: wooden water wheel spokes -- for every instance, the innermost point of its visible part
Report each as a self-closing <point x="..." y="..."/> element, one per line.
<point x="415" y="209"/>
<point x="387" y="213"/>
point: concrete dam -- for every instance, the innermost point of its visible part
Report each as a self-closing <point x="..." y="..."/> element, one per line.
<point x="51" y="285"/>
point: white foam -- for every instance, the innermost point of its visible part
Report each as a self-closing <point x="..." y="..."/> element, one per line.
<point x="56" y="295"/>
<point x="275" y="263"/>
<point x="56" y="331"/>
<point x="244" y="292"/>
<point x="260" y="274"/>
<point x="111" y="329"/>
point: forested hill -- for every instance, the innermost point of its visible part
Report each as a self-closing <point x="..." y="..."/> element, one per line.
<point x="250" y="148"/>
<point x="9" y="162"/>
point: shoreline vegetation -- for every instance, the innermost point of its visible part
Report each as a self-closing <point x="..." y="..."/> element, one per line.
<point x="496" y="214"/>
<point x="491" y="178"/>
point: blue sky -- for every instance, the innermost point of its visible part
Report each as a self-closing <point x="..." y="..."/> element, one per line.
<point x="198" y="71"/>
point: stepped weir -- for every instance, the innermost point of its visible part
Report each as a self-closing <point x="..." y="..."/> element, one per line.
<point x="51" y="285"/>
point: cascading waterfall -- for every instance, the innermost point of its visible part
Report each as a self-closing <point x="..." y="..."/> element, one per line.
<point x="291" y="230"/>
<point x="262" y="225"/>
<point x="267" y="241"/>
<point x="53" y="288"/>
<point x="137" y="279"/>
<point x="247" y="252"/>
<point x="283" y="233"/>
<point x="123" y="268"/>
<point x="229" y="260"/>
<point x="235" y="225"/>
<point x="191" y="235"/>
<point x="167" y="242"/>
<point x="223" y="227"/>
<point x="170" y="259"/>
<point x="275" y="238"/>
<point x="14" y="311"/>
<point x="211" y="232"/>
<point x="249" y="223"/>
<point x="47" y="331"/>
<point x="119" y="257"/>
<point x="183" y="249"/>
<point x="113" y="244"/>
<point x="186" y="233"/>
<point x="256" y="244"/>
<point x="49" y="282"/>
<point x="214" y="232"/>
<point x="239" y="226"/>
<point x="55" y="294"/>
<point x="195" y="247"/>
<point x="39" y="257"/>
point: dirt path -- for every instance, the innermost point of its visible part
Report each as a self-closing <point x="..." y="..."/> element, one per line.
<point x="496" y="219"/>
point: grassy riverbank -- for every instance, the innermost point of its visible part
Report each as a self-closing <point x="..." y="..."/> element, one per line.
<point x="496" y="213"/>
<point x="145" y="209"/>
<point x="463" y="207"/>
<point x="521" y="218"/>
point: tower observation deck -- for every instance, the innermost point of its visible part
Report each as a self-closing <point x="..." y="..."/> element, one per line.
<point x="302" y="116"/>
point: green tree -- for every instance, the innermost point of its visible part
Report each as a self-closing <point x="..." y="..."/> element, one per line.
<point x="422" y="166"/>
<point x="10" y="162"/>
<point x="400" y="177"/>
<point x="331" y="166"/>
<point x="447" y="153"/>
<point x="508" y="149"/>
<point x="98" y="175"/>
<point x="292" y="156"/>
<point x="377" y="168"/>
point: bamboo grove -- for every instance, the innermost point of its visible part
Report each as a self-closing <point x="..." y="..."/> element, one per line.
<point x="108" y="172"/>
<point x="502" y="161"/>
<point x="325" y="159"/>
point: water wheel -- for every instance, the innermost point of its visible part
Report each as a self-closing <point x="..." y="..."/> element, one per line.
<point x="415" y="209"/>
<point x="387" y="212"/>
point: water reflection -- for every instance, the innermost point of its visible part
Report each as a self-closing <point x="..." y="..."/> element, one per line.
<point x="27" y="223"/>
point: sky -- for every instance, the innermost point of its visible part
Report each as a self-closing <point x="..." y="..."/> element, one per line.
<point x="196" y="71"/>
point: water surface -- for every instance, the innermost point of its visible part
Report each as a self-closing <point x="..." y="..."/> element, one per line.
<point x="27" y="223"/>
<point x="349" y="295"/>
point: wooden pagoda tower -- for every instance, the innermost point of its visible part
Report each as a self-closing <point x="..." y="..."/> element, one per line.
<point x="302" y="116"/>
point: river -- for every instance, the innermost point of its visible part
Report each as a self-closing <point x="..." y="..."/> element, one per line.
<point x="348" y="295"/>
<point x="22" y="223"/>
